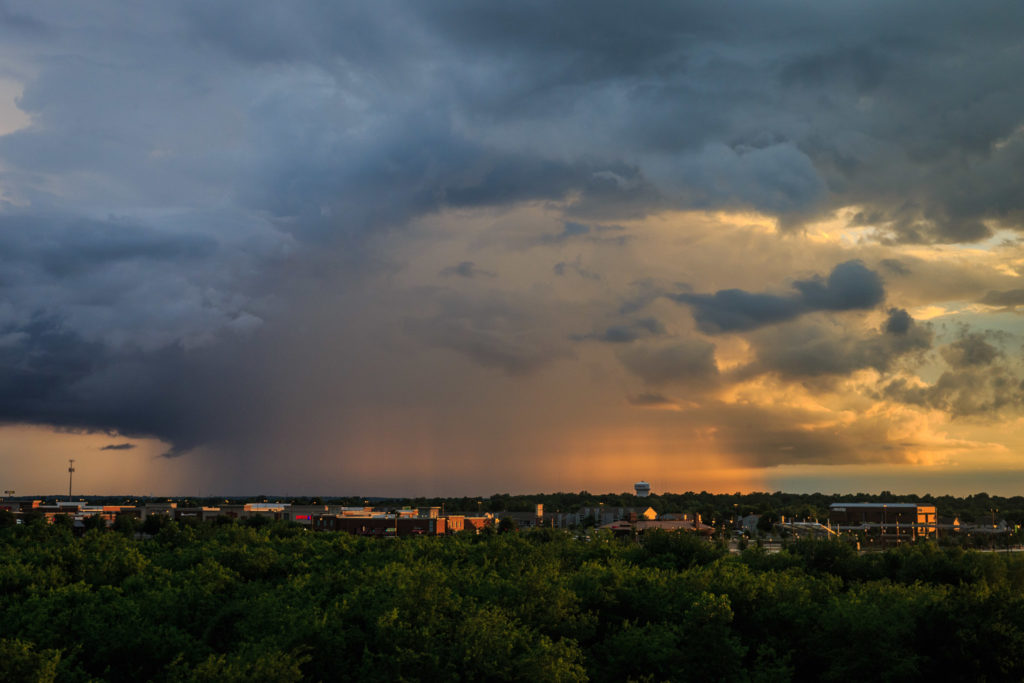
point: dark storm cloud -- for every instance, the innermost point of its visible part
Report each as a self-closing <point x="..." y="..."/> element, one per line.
<point x="767" y="437"/>
<point x="118" y="447"/>
<point x="506" y="180"/>
<point x="466" y="269"/>
<point x="184" y="160"/>
<point x="131" y="282"/>
<point x="625" y="333"/>
<point x="895" y="266"/>
<point x="210" y="395"/>
<point x="65" y="246"/>
<point x="985" y="393"/>
<point x="899" y="322"/>
<point x="911" y="118"/>
<point x="650" y="400"/>
<point x="689" y="362"/>
<point x="850" y="286"/>
<point x="1010" y="298"/>
<point x="971" y="350"/>
<point x="643" y="292"/>
<point x="49" y="375"/>
<point x="915" y="112"/>
<point x="569" y="230"/>
<point x="980" y="382"/>
<point x="563" y="267"/>
<point x="815" y="349"/>
<point x="598" y="233"/>
<point x="492" y="330"/>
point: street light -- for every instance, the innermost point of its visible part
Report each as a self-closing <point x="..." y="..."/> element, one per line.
<point x="993" y="511"/>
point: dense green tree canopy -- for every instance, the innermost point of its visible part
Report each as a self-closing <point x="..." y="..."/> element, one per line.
<point x="230" y="602"/>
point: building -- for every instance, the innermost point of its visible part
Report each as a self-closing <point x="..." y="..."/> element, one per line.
<point x="528" y="520"/>
<point x="896" y="520"/>
<point x="640" y="526"/>
<point x="597" y="516"/>
<point x="403" y="522"/>
<point x="382" y="524"/>
<point x="477" y="524"/>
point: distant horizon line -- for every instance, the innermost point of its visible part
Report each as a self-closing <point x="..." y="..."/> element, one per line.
<point x="282" y="497"/>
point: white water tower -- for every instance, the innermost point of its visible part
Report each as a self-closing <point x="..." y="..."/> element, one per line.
<point x="642" y="488"/>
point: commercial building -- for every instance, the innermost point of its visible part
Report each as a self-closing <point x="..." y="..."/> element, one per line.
<point x="404" y="522"/>
<point x="897" y="520"/>
<point x="642" y="525"/>
<point x="381" y="525"/>
<point x="598" y="515"/>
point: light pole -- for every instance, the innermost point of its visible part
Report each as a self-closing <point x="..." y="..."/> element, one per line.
<point x="71" y="473"/>
<point x="994" y="511"/>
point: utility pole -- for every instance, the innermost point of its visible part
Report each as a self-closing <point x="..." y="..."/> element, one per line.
<point x="71" y="473"/>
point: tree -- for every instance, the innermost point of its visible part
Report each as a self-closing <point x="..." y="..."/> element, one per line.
<point x="154" y="523"/>
<point x="256" y="665"/>
<point x="63" y="521"/>
<point x="126" y="523"/>
<point x="257" y="521"/>
<point x="94" y="522"/>
<point x="20" y="661"/>
<point x="33" y="517"/>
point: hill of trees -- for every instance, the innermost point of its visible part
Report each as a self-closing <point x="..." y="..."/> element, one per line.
<point x="232" y="602"/>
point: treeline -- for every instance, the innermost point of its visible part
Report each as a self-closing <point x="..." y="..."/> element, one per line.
<point x="233" y="602"/>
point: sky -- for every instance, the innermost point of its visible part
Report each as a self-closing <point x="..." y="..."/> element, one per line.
<point x="459" y="248"/>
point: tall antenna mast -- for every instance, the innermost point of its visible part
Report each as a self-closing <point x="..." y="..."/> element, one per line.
<point x="71" y="473"/>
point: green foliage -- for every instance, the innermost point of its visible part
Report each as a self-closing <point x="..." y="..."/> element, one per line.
<point x="94" y="522"/>
<point x="126" y="523"/>
<point x="20" y="661"/>
<point x="278" y="603"/>
<point x="243" y="667"/>
<point x="63" y="521"/>
<point x="676" y="550"/>
<point x="154" y="523"/>
<point x="257" y="522"/>
<point x="765" y="522"/>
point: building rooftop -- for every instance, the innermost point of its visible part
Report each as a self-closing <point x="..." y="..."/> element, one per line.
<point x="876" y="505"/>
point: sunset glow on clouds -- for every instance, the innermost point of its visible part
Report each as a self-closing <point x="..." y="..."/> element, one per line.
<point x="408" y="248"/>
